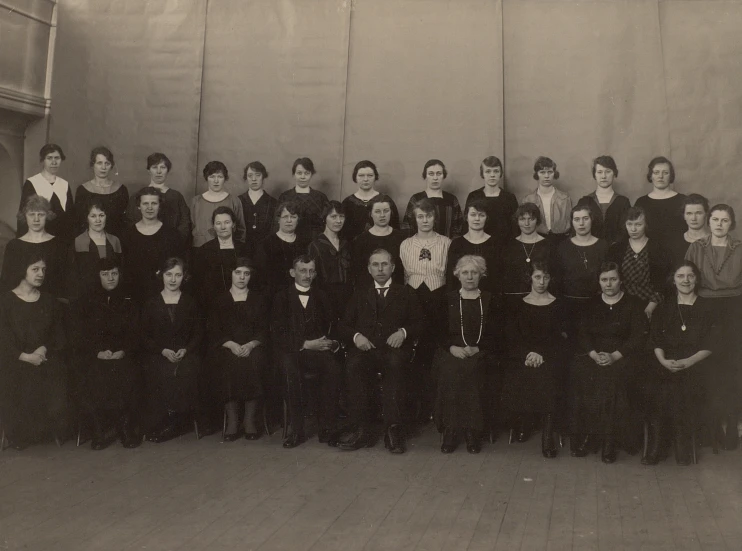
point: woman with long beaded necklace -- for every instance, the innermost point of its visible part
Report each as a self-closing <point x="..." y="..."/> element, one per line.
<point x="465" y="352"/>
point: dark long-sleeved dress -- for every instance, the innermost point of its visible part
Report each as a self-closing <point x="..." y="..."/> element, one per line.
<point x="665" y="221"/>
<point x="171" y="386"/>
<point x="106" y="320"/>
<point x="311" y="206"/>
<point x="236" y="378"/>
<point x="144" y="255"/>
<point x="459" y="401"/>
<point x="174" y="213"/>
<point x="516" y="259"/>
<point x="681" y="394"/>
<point x="275" y="259"/>
<point x="500" y="211"/>
<point x="608" y="224"/>
<point x="333" y="271"/>
<point x="259" y="217"/>
<point x="488" y="250"/>
<point x="449" y="220"/>
<point x="600" y="403"/>
<point x="54" y="252"/>
<point x="358" y="216"/>
<point x="212" y="269"/>
<point x="533" y="328"/>
<point x="33" y="399"/>
<point x="114" y="203"/>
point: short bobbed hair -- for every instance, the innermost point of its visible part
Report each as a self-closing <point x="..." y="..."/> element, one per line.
<point x="578" y="208"/>
<point x="36" y="203"/>
<point x="304" y="162"/>
<point x="660" y="161"/>
<point x="724" y="208"/>
<point x="245" y="262"/>
<point x="291" y="207"/>
<point x="426" y="206"/>
<point x="50" y="148"/>
<point x="149" y="190"/>
<point x="471" y="260"/>
<point x="528" y="208"/>
<point x="609" y="266"/>
<point x="542" y="163"/>
<point x="492" y="162"/>
<point x="96" y="204"/>
<point x="18" y="271"/>
<point x="215" y="167"/>
<point x="333" y="206"/>
<point x="223" y="210"/>
<point x="606" y="161"/>
<point x="365" y="164"/>
<point x="157" y="158"/>
<point x="101" y="150"/>
<point x="634" y="213"/>
<point x="172" y="262"/>
<point x="696" y="199"/>
<point x="479" y="205"/>
<point x="257" y="166"/>
<point x="539" y="266"/>
<point x="433" y="162"/>
<point x="109" y="263"/>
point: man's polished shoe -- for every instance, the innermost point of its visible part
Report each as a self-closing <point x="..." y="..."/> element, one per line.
<point x="394" y="439"/>
<point x="100" y="443"/>
<point x="582" y="446"/>
<point x="450" y="441"/>
<point x="232" y="437"/>
<point x="252" y="435"/>
<point x="294" y="439"/>
<point x="473" y="444"/>
<point x="360" y="438"/>
<point x="330" y="437"/>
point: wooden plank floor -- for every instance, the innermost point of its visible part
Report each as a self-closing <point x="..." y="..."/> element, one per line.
<point x="192" y="495"/>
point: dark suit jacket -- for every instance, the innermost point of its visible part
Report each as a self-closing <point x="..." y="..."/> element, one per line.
<point x="289" y="319"/>
<point x="402" y="310"/>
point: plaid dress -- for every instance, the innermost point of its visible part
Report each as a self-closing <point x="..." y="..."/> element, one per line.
<point x="636" y="278"/>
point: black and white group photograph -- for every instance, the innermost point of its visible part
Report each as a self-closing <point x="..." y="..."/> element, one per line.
<point x="370" y="275"/>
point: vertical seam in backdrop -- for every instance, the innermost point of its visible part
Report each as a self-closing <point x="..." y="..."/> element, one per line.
<point x="200" y="99"/>
<point x="502" y="90"/>
<point x="349" y="4"/>
<point x="664" y="79"/>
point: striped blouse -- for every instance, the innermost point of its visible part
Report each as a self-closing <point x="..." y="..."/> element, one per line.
<point x="425" y="261"/>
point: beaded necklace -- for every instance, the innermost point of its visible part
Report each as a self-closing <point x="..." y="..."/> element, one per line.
<point x="461" y="317"/>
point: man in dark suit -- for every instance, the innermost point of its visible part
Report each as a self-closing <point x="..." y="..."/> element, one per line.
<point x="380" y="324"/>
<point x="301" y="322"/>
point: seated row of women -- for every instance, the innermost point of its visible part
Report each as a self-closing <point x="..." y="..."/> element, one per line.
<point x="617" y="374"/>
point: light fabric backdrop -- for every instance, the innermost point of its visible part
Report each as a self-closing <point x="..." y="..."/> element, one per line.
<point x="402" y="81"/>
<point x="128" y="75"/>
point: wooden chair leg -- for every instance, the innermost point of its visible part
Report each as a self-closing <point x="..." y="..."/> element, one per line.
<point x="2" y="440"/>
<point x="693" y="448"/>
<point x="224" y="423"/>
<point x="646" y="439"/>
<point x="195" y="428"/>
<point x="79" y="433"/>
<point x="266" y="425"/>
<point x="510" y="436"/>
<point x="285" y="432"/>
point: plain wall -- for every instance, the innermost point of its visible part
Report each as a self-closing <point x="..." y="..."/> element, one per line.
<point x="402" y="81"/>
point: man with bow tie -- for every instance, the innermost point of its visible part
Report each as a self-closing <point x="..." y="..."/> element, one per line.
<point x="301" y="325"/>
<point x="380" y="324"/>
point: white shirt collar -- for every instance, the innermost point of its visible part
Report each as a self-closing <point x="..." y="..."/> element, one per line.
<point x="385" y="286"/>
<point x="300" y="288"/>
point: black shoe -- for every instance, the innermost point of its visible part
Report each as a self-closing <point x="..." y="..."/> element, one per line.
<point x="294" y="439"/>
<point x="168" y="433"/>
<point x="654" y="443"/>
<point x="233" y="436"/>
<point x="581" y="446"/>
<point x="329" y="437"/>
<point x="394" y="440"/>
<point x="360" y="438"/>
<point x="473" y="444"/>
<point x="548" y="446"/>
<point x="98" y="443"/>
<point x="609" y="454"/>
<point x="450" y="441"/>
<point x="252" y="435"/>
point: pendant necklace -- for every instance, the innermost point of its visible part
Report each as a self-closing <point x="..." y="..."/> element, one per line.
<point x="528" y="254"/>
<point x="682" y="321"/>
<point x="461" y="317"/>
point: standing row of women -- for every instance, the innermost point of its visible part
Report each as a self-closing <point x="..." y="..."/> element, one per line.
<point x="640" y="250"/>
